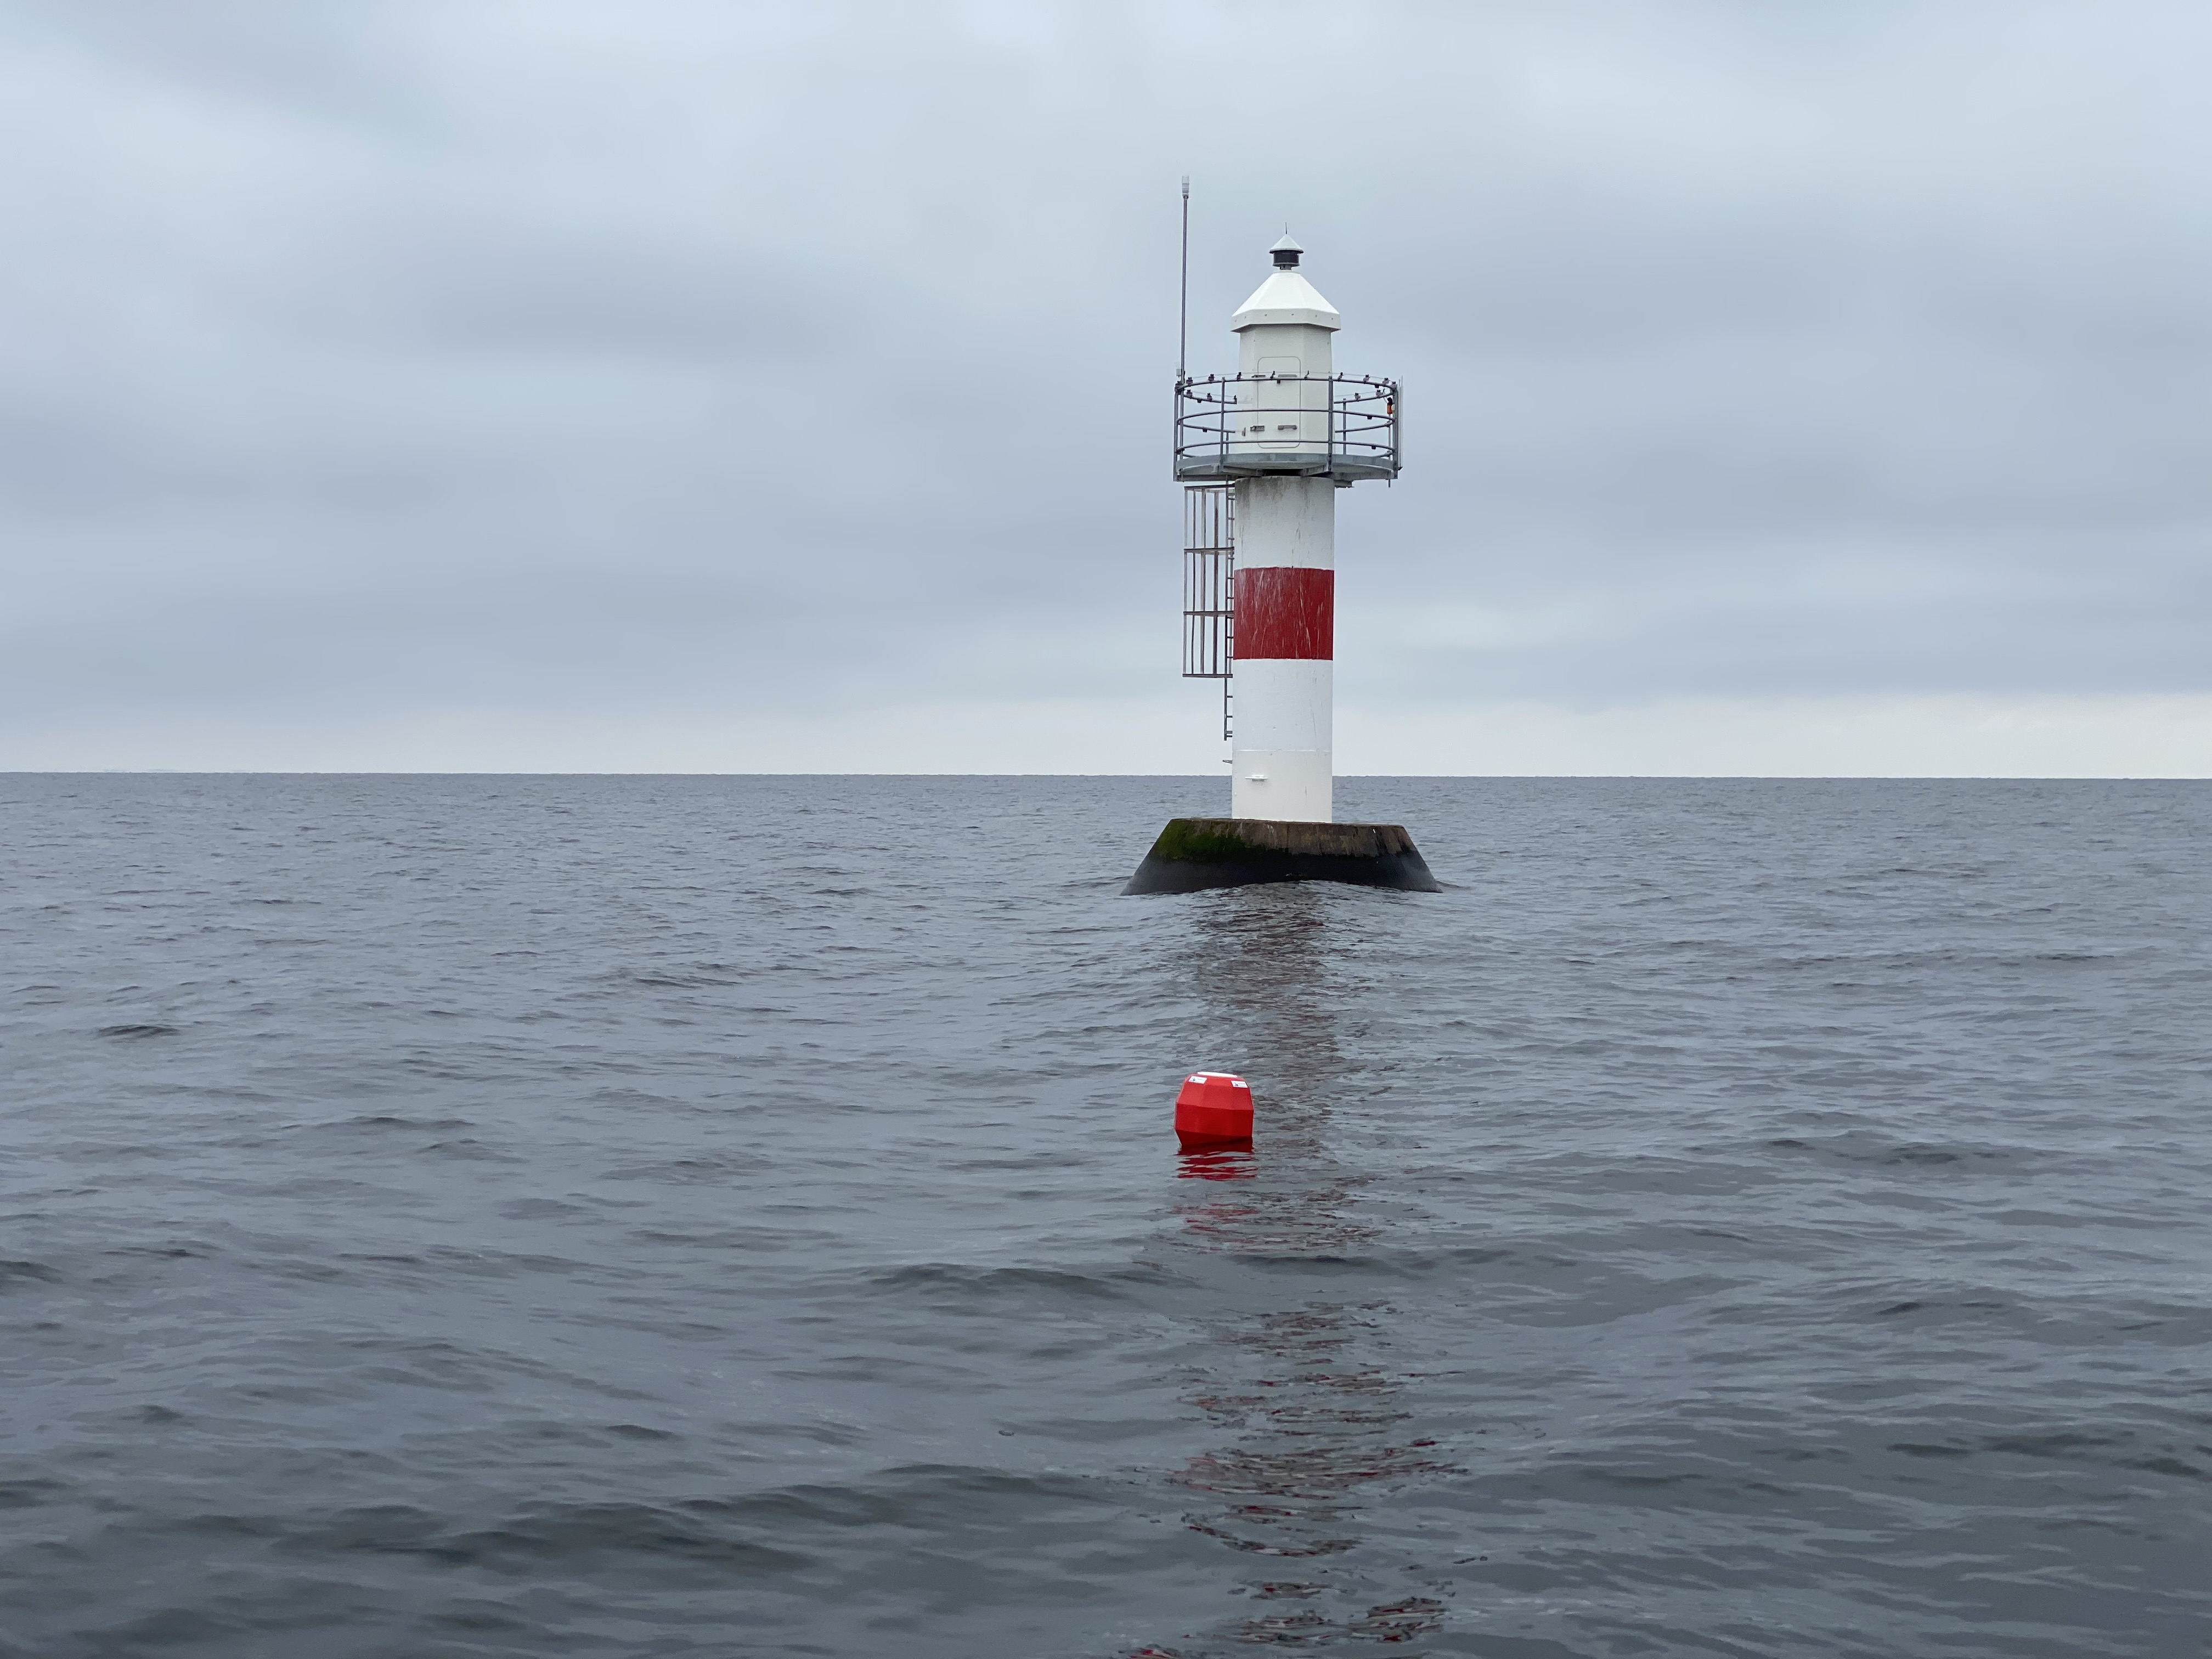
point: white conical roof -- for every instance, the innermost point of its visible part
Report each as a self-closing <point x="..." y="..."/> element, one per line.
<point x="1285" y="297"/>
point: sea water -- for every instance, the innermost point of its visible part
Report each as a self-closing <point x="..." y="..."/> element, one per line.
<point x="627" y="1216"/>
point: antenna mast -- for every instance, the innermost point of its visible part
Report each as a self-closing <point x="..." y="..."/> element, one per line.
<point x="1182" y="318"/>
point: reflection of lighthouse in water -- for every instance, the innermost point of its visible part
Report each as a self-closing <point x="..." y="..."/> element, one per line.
<point x="1314" y="1429"/>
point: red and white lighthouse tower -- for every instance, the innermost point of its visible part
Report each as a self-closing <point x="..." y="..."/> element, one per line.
<point x="1261" y="453"/>
<point x="1283" y="759"/>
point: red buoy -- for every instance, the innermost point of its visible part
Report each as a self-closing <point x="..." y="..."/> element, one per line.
<point x="1214" y="1109"/>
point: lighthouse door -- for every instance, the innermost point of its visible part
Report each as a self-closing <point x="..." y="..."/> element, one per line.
<point x="1276" y="422"/>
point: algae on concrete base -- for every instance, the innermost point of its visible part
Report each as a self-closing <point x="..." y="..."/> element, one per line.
<point x="1203" y="839"/>
<point x="1224" y="838"/>
<point x="1192" y="854"/>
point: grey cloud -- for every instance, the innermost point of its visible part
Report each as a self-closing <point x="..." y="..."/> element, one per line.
<point x="317" y="58"/>
<point x="571" y="355"/>
<point x="562" y="291"/>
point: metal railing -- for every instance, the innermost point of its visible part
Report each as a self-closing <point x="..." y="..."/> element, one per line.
<point x="1239" y="426"/>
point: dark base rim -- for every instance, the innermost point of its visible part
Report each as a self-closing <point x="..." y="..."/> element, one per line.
<point x="1194" y="854"/>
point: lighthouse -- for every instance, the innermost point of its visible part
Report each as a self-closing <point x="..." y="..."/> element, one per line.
<point x="1261" y="454"/>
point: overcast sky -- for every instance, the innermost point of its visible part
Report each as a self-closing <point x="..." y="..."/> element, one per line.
<point x="528" y="385"/>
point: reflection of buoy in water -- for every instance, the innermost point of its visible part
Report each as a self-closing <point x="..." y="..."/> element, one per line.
<point x="1214" y="1162"/>
<point x="1214" y="1109"/>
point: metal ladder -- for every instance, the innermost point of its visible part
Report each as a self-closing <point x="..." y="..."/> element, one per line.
<point x="1209" y="590"/>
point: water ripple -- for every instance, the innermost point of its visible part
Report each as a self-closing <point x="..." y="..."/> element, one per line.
<point x="697" y="1216"/>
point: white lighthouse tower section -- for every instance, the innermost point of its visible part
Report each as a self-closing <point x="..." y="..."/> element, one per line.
<point x="1283" y="329"/>
<point x="1282" y="755"/>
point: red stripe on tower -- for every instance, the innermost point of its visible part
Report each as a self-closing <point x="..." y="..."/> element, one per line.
<point x="1286" y="611"/>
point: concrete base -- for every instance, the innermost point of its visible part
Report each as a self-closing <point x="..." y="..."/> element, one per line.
<point x="1193" y="853"/>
